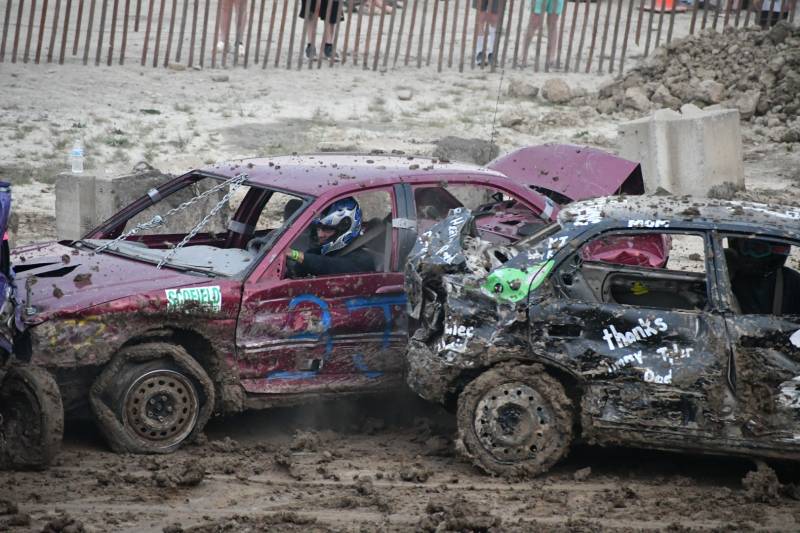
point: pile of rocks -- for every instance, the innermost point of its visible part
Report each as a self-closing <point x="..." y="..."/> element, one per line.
<point x="755" y="71"/>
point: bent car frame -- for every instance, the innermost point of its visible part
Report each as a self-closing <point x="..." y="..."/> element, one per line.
<point x="184" y="304"/>
<point x="561" y="342"/>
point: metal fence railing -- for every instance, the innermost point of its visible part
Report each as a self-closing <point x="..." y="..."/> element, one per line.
<point x="587" y="35"/>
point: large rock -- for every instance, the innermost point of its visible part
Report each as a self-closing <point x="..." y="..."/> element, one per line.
<point x="709" y="92"/>
<point x="556" y="91"/>
<point x="478" y="151"/>
<point x="636" y="98"/>
<point x="746" y="103"/>
<point x="663" y="97"/>
<point x="522" y="89"/>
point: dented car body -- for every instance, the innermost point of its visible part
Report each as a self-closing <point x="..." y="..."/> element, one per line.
<point x="183" y="304"/>
<point x="547" y="341"/>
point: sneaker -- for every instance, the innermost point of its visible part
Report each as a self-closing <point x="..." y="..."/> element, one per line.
<point x="328" y="51"/>
<point x="311" y="52"/>
<point x="221" y="46"/>
<point x="489" y="58"/>
<point x="479" y="59"/>
<point x="240" y="50"/>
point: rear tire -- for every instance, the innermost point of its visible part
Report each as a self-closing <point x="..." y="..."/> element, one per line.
<point x="514" y="420"/>
<point x="31" y="418"/>
<point x="152" y="398"/>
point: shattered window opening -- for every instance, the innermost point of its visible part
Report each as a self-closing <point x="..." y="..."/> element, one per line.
<point x="660" y="270"/>
<point x="346" y="249"/>
<point x="247" y="220"/>
<point x="763" y="274"/>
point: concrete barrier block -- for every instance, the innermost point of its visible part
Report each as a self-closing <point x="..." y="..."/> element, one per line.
<point x="75" y="205"/>
<point x="690" y="152"/>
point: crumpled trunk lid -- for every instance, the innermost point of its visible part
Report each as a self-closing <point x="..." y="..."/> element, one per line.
<point x="569" y="173"/>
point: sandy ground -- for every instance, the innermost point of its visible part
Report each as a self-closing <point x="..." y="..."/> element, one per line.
<point x="353" y="466"/>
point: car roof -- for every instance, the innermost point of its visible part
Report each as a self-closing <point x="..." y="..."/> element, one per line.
<point x="702" y="211"/>
<point x="313" y="174"/>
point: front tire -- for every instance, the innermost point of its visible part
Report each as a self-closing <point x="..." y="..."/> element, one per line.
<point x="514" y="420"/>
<point x="31" y="418"/>
<point x="152" y="398"/>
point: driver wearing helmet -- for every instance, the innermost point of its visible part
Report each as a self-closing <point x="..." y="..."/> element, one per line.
<point x="762" y="284"/>
<point x="338" y="226"/>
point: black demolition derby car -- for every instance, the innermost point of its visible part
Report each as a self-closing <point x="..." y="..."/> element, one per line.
<point x="576" y="334"/>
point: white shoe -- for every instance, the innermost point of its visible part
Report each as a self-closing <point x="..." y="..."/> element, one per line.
<point x="240" y="50"/>
<point x="221" y="46"/>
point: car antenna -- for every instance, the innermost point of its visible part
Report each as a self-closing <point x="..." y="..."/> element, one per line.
<point x="496" y="105"/>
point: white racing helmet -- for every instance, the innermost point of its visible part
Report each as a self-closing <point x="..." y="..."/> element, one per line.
<point x="344" y="217"/>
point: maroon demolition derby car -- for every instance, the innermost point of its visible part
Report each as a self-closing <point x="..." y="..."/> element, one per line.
<point x="200" y="297"/>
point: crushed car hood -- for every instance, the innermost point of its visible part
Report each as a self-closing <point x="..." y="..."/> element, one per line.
<point x="568" y="173"/>
<point x="59" y="278"/>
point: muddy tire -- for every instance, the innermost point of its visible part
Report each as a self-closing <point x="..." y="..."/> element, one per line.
<point x="515" y="421"/>
<point x="152" y="398"/>
<point x="31" y="419"/>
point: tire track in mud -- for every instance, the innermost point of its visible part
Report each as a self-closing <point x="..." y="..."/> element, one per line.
<point x="379" y="474"/>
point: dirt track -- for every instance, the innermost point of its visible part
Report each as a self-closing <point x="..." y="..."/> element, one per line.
<point x="384" y="464"/>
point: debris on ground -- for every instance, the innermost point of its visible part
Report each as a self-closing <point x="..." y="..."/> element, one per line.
<point x="754" y="71"/>
<point x="307" y="441"/>
<point x="188" y="474"/>
<point x="761" y="485"/>
<point x="457" y="514"/>
<point x="64" y="523"/>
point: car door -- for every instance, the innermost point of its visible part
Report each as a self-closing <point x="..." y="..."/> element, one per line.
<point x="647" y="340"/>
<point x="326" y="333"/>
<point x="765" y="344"/>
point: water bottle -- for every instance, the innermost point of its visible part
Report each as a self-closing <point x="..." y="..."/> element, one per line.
<point x="76" y="158"/>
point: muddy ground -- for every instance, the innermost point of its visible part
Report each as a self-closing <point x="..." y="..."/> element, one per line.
<point x="382" y="464"/>
<point x="387" y="464"/>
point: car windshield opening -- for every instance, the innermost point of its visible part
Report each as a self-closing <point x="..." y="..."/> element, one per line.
<point x="210" y="225"/>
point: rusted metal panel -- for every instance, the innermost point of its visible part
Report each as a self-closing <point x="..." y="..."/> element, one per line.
<point x="575" y="9"/>
<point x="389" y="37"/>
<point x="660" y="25"/>
<point x="138" y="15"/>
<point x="367" y="41"/>
<point x="410" y="39"/>
<point x="99" y="50"/>
<point x="217" y="24"/>
<point x="204" y="34"/>
<point x="147" y="27"/>
<point x="422" y="32"/>
<point x="29" y="34"/>
<point x="339" y="14"/>
<point x="67" y="13"/>
<point x="114" y="12"/>
<point x="605" y="36"/>
<point x="617" y="23"/>
<point x="88" y="42"/>
<point x="250" y="16"/>
<point x="309" y="13"/>
<point x="584" y="27"/>
<point x="260" y="25"/>
<point x="631" y="4"/>
<point x="464" y="29"/>
<point x="357" y="38"/>
<point x="728" y="8"/>
<point x="649" y="28"/>
<point x="432" y="36"/>
<point x="443" y="36"/>
<point x="705" y="15"/>
<point x="158" y="33"/>
<point x="182" y="31"/>
<point x="171" y="31"/>
<point x="17" y="30"/>
<point x="671" y="21"/>
<point x="507" y="33"/>
<point x="453" y="35"/>
<point x="78" y="20"/>
<point x="6" y="20"/>
<point x="193" y="36"/>
<point x="597" y="9"/>
<point x="639" y="21"/>
<point x="269" y="32"/>
<point x="280" y="36"/>
<point x="377" y="55"/>
<point x="695" y="6"/>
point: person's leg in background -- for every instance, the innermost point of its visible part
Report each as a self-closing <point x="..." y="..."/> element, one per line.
<point x="241" y="20"/>
<point x="225" y="8"/>
<point x="534" y="23"/>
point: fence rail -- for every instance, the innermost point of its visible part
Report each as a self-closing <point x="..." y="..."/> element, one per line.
<point x="588" y="35"/>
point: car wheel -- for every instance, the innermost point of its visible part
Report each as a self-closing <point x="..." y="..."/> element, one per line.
<point x="31" y="418"/>
<point x="514" y="420"/>
<point x="151" y="399"/>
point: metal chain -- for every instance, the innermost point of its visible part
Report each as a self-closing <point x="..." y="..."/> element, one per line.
<point x="158" y="220"/>
<point x="235" y="183"/>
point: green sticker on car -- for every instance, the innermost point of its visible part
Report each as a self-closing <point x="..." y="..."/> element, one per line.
<point x="513" y="284"/>
<point x="201" y="298"/>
